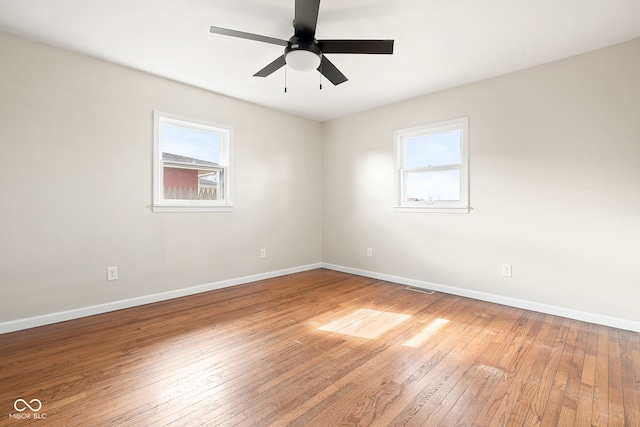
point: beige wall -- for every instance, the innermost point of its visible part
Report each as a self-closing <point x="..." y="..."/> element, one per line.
<point x="76" y="170"/>
<point x="555" y="188"/>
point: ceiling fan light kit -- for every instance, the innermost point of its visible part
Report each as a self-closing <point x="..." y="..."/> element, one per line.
<point x="303" y="52"/>
<point x="302" y="56"/>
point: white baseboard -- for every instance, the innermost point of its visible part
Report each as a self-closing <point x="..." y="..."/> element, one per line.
<point x="599" y="319"/>
<point x="46" y="319"/>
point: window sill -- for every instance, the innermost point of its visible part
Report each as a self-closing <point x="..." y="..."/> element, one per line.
<point x="424" y="209"/>
<point x="174" y="208"/>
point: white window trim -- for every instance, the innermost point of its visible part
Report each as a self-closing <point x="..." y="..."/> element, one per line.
<point x="461" y="206"/>
<point x="160" y="204"/>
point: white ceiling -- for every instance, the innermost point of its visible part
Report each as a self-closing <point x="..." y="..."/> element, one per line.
<point x="438" y="43"/>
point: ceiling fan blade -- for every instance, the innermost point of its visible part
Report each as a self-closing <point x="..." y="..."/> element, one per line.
<point x="331" y="72"/>
<point x="383" y="47"/>
<point x="249" y="36"/>
<point x="275" y="65"/>
<point x="306" y="19"/>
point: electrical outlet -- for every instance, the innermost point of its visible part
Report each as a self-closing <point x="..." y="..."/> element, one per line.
<point x="506" y="270"/>
<point x="112" y="273"/>
<point x="263" y="253"/>
<point x="369" y="252"/>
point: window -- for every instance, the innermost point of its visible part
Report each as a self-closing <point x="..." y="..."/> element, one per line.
<point x="191" y="163"/>
<point x="432" y="168"/>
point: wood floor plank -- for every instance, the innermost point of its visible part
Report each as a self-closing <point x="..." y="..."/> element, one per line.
<point x="630" y="380"/>
<point x="481" y="407"/>
<point x="526" y="330"/>
<point x="434" y="347"/>
<point x="600" y="413"/>
<point x="483" y="375"/>
<point x="616" y="400"/>
<point x="559" y="384"/>
<point x="526" y="410"/>
<point x="449" y="372"/>
<point x="584" y="408"/>
<point x="551" y="376"/>
<point x="322" y="348"/>
<point x="426" y="360"/>
<point x="574" y="381"/>
<point x="517" y="374"/>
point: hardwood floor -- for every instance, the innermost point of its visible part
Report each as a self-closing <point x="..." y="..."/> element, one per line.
<point x="321" y="348"/>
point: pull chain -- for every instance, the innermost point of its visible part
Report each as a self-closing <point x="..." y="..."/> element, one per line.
<point x="285" y="79"/>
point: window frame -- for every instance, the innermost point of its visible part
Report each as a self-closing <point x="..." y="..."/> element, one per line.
<point x="443" y="206"/>
<point x="160" y="204"/>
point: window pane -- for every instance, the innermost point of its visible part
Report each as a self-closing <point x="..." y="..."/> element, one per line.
<point x="191" y="143"/>
<point x="433" y="150"/>
<point x="210" y="185"/>
<point x="183" y="151"/>
<point x="192" y="184"/>
<point x="433" y="185"/>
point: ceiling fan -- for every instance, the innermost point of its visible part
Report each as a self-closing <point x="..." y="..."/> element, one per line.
<point x="302" y="52"/>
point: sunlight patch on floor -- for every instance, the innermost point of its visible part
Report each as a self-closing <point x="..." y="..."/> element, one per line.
<point x="421" y="337"/>
<point x="365" y="323"/>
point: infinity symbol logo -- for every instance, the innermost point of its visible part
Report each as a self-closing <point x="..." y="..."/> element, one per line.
<point x="26" y="405"/>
